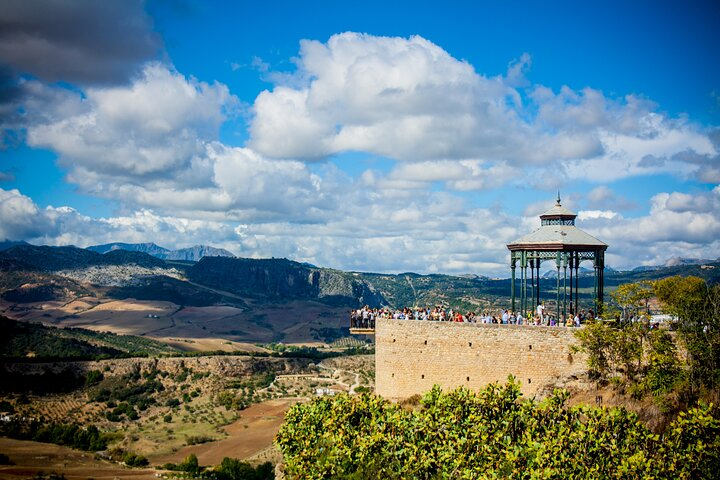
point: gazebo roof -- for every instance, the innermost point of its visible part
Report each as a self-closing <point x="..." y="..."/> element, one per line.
<point x="558" y="211"/>
<point x="557" y="237"/>
<point x="557" y="232"/>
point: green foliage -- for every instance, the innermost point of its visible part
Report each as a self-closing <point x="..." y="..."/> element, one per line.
<point x="132" y="460"/>
<point x="612" y="351"/>
<point x="37" y="342"/>
<point x="72" y="435"/>
<point x="93" y="377"/>
<point x="633" y="298"/>
<point x="491" y="434"/>
<point x="697" y="307"/>
<point x="233" y="469"/>
<point x="198" y="439"/>
<point x="190" y="464"/>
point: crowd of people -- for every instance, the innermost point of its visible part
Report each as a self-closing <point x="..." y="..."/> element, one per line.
<point x="365" y="317"/>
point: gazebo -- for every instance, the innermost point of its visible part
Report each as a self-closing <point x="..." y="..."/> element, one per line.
<point x="558" y="240"/>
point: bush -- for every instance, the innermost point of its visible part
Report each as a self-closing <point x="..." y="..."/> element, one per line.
<point x="491" y="434"/>
<point x="233" y="469"/>
<point x="132" y="460"/>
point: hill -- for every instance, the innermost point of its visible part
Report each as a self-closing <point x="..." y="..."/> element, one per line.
<point x="40" y="342"/>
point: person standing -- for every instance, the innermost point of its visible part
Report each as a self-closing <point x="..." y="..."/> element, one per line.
<point x="541" y="312"/>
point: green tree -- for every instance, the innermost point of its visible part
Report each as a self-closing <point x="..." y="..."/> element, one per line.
<point x="190" y="464"/>
<point x="633" y="298"/>
<point x="697" y="308"/>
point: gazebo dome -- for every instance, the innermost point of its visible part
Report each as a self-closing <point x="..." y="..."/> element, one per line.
<point x="557" y="232"/>
<point x="558" y="215"/>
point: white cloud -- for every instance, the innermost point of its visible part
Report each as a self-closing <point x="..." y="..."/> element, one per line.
<point x="409" y="100"/>
<point x="403" y="98"/>
<point x="155" y="127"/>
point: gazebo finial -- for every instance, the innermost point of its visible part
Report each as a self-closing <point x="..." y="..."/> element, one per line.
<point x="558" y="199"/>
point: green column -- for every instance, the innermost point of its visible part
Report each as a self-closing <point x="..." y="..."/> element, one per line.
<point x="512" y="277"/>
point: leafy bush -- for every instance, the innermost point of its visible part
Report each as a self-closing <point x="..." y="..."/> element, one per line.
<point x="233" y="469"/>
<point x="132" y="460"/>
<point x="491" y="434"/>
<point x="72" y="435"/>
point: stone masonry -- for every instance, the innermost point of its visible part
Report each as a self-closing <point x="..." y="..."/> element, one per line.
<point x="411" y="356"/>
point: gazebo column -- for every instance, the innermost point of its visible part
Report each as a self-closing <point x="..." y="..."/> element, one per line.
<point x="601" y="280"/>
<point x="565" y="265"/>
<point x="571" y="260"/>
<point x="577" y="282"/>
<point x="512" y="281"/>
<point x="595" y="282"/>
<point x="532" y="284"/>
<point x="537" y="299"/>
<point x="523" y="280"/>
<point x="557" y="288"/>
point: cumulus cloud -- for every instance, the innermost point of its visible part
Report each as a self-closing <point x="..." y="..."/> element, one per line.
<point x="409" y="100"/>
<point x="153" y="130"/>
<point x="78" y="41"/>
<point x="403" y="98"/>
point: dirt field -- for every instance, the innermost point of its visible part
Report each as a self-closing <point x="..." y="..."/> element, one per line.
<point x="224" y="328"/>
<point x="33" y="457"/>
<point x="251" y="434"/>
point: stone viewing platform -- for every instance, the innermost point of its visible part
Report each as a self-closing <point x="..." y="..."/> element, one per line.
<point x="412" y="356"/>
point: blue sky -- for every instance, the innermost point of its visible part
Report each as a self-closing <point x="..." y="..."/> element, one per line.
<point x="374" y="136"/>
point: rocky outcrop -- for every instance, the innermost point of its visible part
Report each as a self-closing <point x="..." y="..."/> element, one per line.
<point x="278" y="278"/>
<point x="117" y="275"/>
<point x="196" y="253"/>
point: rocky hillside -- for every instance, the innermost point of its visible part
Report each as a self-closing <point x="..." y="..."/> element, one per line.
<point x="283" y="279"/>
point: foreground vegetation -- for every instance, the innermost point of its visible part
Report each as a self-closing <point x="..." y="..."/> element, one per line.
<point x="492" y="434"/>
<point x="676" y="365"/>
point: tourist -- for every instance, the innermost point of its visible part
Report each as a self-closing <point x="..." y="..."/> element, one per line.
<point x="541" y="312"/>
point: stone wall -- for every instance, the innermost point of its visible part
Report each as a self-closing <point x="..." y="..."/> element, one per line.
<point x="411" y="356"/>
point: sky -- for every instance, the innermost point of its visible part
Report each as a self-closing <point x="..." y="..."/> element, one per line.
<point x="380" y="136"/>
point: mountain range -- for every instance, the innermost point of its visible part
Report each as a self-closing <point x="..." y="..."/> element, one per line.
<point x="191" y="254"/>
<point x="149" y="271"/>
<point x="221" y="298"/>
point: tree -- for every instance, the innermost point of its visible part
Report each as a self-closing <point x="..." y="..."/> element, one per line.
<point x="697" y="308"/>
<point x="190" y="464"/>
<point x="633" y="297"/>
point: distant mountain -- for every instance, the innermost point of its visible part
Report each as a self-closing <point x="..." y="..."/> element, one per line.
<point x="192" y="254"/>
<point x="675" y="261"/>
<point x="196" y="253"/>
<point x="5" y="244"/>
<point x="149" y="248"/>
<point x="53" y="259"/>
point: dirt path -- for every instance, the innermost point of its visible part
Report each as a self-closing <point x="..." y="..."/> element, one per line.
<point x="252" y="434"/>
